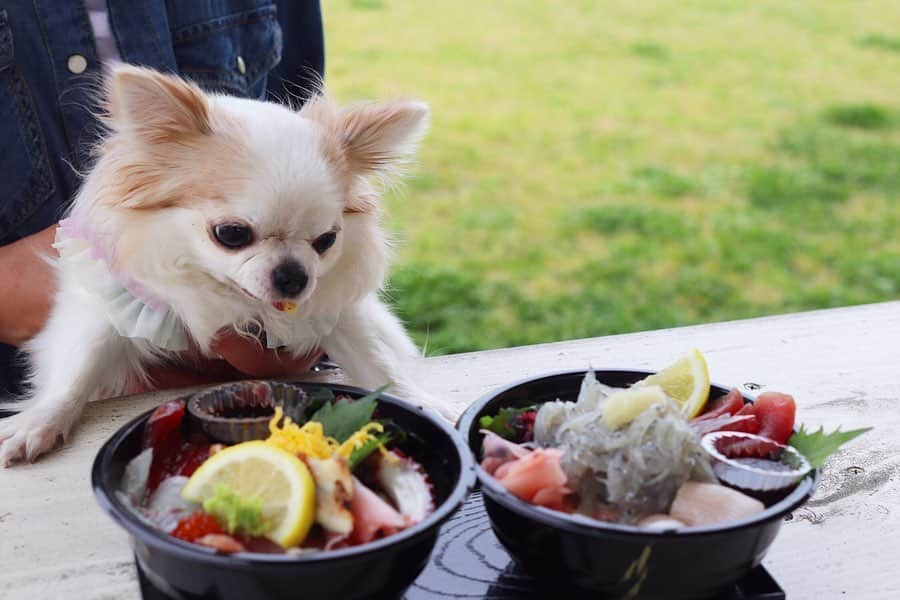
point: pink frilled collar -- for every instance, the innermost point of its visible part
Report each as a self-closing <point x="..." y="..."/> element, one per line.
<point x="130" y="308"/>
<point x="75" y="228"/>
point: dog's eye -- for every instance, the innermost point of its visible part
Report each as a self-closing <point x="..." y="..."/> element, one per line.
<point x="233" y="235"/>
<point x="324" y="242"/>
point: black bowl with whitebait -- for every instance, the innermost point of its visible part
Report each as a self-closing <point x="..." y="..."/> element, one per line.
<point x="586" y="556"/>
<point x="379" y="569"/>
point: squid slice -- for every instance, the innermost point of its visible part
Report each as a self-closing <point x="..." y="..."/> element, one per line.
<point x="334" y="493"/>
<point x="699" y="504"/>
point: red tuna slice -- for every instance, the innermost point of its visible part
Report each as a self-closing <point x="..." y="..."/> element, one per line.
<point x="729" y="404"/>
<point x="748" y="425"/>
<point x="175" y="457"/>
<point x="723" y="422"/>
<point x="776" y="412"/>
<point x="526" y="423"/>
<point x="194" y="452"/>
<point x="538" y="471"/>
<point x="165" y="420"/>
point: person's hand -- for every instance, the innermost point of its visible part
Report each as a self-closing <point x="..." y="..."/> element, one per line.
<point x="241" y="358"/>
<point x="27" y="286"/>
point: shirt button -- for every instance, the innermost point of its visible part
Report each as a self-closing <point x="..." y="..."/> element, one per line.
<point x="241" y="67"/>
<point x="77" y="64"/>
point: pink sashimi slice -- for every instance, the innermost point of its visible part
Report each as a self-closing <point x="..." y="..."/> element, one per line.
<point x="554" y="498"/>
<point x="498" y="451"/>
<point x="221" y="542"/>
<point x="333" y="541"/>
<point x="503" y="469"/>
<point x="372" y="515"/>
<point x="728" y="404"/>
<point x="702" y="426"/>
<point x="539" y="471"/>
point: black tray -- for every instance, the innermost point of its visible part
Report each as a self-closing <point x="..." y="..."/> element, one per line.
<point x="468" y="562"/>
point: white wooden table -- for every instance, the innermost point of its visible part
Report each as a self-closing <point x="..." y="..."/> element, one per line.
<point x="842" y="365"/>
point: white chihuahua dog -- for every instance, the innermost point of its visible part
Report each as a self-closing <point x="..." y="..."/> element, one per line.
<point x="205" y="212"/>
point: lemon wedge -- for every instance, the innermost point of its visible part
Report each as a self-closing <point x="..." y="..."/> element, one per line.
<point x="257" y="469"/>
<point x="623" y="406"/>
<point x="686" y="381"/>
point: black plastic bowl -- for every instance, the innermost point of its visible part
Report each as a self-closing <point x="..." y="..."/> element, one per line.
<point x="611" y="560"/>
<point x="380" y="569"/>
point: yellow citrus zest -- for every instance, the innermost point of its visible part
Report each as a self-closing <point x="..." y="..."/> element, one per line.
<point x="362" y="436"/>
<point x="309" y="440"/>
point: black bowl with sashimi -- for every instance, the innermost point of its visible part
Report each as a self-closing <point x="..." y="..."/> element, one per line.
<point x="382" y="568"/>
<point x="603" y="559"/>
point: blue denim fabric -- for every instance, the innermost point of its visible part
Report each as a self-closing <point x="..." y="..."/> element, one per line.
<point x="46" y="125"/>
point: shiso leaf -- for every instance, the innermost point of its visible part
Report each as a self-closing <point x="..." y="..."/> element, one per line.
<point x="235" y="513"/>
<point x="503" y="423"/>
<point x="817" y="446"/>
<point x="340" y="420"/>
<point x="301" y="408"/>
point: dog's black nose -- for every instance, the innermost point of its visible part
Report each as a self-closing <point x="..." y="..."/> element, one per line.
<point x="289" y="278"/>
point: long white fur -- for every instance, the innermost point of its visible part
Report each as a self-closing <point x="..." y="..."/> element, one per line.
<point x="294" y="175"/>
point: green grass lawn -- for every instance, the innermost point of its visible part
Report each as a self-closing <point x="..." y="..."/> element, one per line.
<point x="595" y="168"/>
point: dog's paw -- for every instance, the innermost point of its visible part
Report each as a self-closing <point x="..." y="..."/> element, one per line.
<point x="29" y="434"/>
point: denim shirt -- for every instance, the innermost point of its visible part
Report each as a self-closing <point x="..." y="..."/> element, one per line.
<point x="49" y="72"/>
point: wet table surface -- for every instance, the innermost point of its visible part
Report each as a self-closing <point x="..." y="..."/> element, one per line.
<point x="842" y="365"/>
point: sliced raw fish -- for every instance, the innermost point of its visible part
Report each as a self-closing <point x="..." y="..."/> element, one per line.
<point x="711" y="503"/>
<point x="334" y="493"/>
<point x="499" y="451"/>
<point x="406" y="485"/>
<point x="372" y="515"/>
<point x="539" y="471"/>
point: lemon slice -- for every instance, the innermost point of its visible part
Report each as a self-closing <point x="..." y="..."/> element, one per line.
<point x="686" y="381"/>
<point x="623" y="406"/>
<point x="281" y="480"/>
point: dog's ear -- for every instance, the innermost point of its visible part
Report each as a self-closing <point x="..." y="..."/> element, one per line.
<point x="369" y="139"/>
<point x="157" y="107"/>
<point x="377" y="137"/>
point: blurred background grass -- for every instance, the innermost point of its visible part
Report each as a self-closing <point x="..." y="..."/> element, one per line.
<point x="602" y="167"/>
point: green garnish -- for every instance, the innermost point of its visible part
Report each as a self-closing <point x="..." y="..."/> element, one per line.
<point x="817" y="446"/>
<point x="363" y="452"/>
<point x="503" y="423"/>
<point x="340" y="420"/>
<point x="236" y="513"/>
<point x="302" y="407"/>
